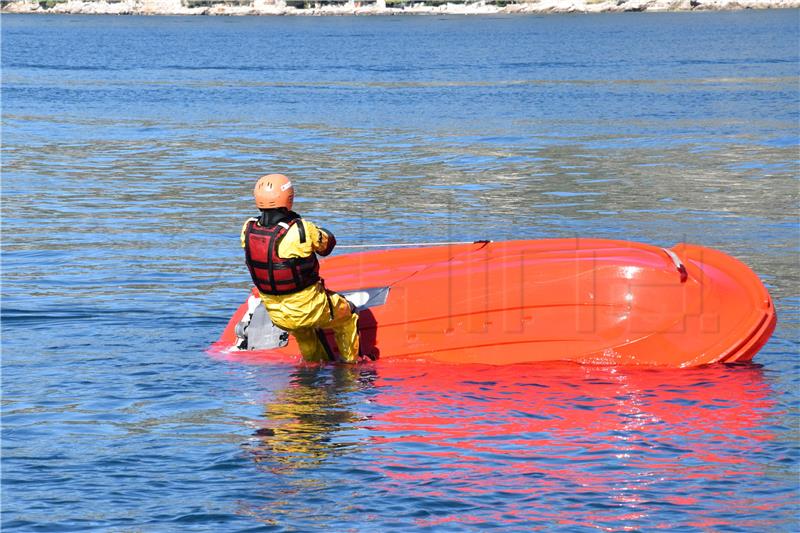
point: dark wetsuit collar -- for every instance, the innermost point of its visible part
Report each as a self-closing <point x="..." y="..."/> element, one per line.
<point x="271" y="217"/>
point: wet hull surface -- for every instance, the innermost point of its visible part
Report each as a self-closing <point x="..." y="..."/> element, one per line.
<point x="590" y="301"/>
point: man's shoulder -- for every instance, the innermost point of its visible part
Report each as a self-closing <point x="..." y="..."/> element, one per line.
<point x="303" y="229"/>
<point x="307" y="224"/>
<point x="306" y="221"/>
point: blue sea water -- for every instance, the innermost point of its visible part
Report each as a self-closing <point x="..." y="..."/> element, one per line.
<point x="129" y="150"/>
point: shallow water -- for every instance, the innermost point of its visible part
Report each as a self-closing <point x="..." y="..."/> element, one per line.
<point x="130" y="146"/>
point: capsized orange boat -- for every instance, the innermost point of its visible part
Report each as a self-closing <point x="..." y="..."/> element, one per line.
<point x="591" y="301"/>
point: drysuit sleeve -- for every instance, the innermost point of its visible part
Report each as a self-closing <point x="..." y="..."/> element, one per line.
<point x="306" y="242"/>
<point x="322" y="240"/>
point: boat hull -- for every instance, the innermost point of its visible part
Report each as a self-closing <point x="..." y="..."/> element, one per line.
<point x="590" y="301"/>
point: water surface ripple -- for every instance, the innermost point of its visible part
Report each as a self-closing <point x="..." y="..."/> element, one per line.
<point x="130" y="146"/>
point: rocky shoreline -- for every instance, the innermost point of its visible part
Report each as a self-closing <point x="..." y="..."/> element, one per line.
<point x="374" y="7"/>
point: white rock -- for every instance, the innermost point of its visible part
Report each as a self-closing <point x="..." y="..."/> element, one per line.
<point x="378" y="7"/>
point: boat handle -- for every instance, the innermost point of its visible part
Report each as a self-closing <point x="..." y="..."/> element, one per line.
<point x="678" y="264"/>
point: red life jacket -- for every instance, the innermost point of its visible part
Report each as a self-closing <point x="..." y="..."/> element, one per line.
<point x="272" y="274"/>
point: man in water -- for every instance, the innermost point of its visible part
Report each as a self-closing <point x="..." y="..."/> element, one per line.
<point x="281" y="253"/>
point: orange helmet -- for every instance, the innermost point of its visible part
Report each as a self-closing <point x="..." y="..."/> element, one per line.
<point x="273" y="191"/>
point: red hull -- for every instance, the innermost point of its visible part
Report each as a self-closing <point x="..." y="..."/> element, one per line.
<point x="590" y="301"/>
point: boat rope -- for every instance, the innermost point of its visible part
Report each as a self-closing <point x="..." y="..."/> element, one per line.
<point x="408" y="244"/>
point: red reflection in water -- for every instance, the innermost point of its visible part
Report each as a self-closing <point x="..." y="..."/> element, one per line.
<point x="535" y="445"/>
<point x="620" y="438"/>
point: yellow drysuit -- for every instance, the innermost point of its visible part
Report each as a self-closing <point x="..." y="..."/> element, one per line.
<point x="306" y="311"/>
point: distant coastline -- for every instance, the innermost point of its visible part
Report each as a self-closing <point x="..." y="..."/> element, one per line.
<point x="374" y="7"/>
